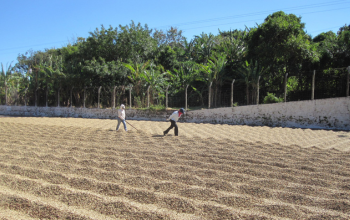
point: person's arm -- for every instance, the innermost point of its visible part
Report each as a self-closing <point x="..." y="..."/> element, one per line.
<point x="172" y="116"/>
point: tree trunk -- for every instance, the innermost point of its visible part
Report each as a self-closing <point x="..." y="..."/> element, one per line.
<point x="215" y="95"/>
<point x="98" y="98"/>
<point x="25" y="97"/>
<point x="186" y="97"/>
<point x="348" y="82"/>
<point x="58" y="98"/>
<point x="233" y="81"/>
<point x="209" y="95"/>
<point x="313" y="86"/>
<point x="36" y="97"/>
<point x="148" y="97"/>
<point x="84" y="96"/>
<point x="130" y="96"/>
<point x="47" y="94"/>
<point x="285" y="87"/>
<point x="257" y="91"/>
<point x="71" y="97"/>
<point x="166" y="98"/>
<point x="113" y="97"/>
<point x="6" y="101"/>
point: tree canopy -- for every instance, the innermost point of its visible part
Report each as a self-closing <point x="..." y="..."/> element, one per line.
<point x="136" y="55"/>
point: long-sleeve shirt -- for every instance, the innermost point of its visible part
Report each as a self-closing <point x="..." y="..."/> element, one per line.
<point x="121" y="114"/>
<point x="175" y="116"/>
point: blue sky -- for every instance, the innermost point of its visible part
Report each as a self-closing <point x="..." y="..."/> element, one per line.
<point x="40" y="24"/>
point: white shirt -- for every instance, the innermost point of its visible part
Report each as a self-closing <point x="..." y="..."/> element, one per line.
<point x="121" y="114"/>
<point x="174" y="116"/>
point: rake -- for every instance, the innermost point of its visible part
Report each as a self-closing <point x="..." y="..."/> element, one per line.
<point x="131" y="125"/>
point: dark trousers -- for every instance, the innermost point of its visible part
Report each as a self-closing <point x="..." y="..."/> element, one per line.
<point x="173" y="125"/>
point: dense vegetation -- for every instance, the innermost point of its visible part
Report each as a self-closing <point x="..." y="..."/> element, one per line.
<point x="114" y="59"/>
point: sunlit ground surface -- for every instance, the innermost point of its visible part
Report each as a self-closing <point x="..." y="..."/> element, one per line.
<point x="83" y="169"/>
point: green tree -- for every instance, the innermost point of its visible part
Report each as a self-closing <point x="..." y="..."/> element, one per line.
<point x="135" y="76"/>
<point x="135" y="43"/>
<point x="155" y="79"/>
<point x="233" y="45"/>
<point x="214" y="72"/>
<point x="185" y="75"/>
<point x="327" y="48"/>
<point x="282" y="44"/>
<point x="344" y="46"/>
<point x="5" y="78"/>
<point x="101" y="43"/>
<point x="203" y="47"/>
<point x="250" y="74"/>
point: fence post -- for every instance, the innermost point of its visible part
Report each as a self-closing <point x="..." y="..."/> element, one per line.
<point x="17" y="96"/>
<point x="313" y="86"/>
<point x="166" y="98"/>
<point x="84" y="96"/>
<point x="98" y="98"/>
<point x="71" y="97"/>
<point x="186" y="96"/>
<point x="5" y="94"/>
<point x="285" y="87"/>
<point x="58" y="97"/>
<point x="25" y="97"/>
<point x="233" y="81"/>
<point x="36" y="97"/>
<point x="114" y="89"/>
<point x="148" y="97"/>
<point x="257" y="91"/>
<point x="47" y="94"/>
<point x="209" y="88"/>
<point x="348" y="82"/>
<point x="130" y="96"/>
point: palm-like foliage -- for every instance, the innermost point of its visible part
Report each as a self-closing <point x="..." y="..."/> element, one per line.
<point x="233" y="44"/>
<point x="204" y="47"/>
<point x="185" y="75"/>
<point x="250" y="74"/>
<point x="135" y="78"/>
<point x="214" y="72"/>
<point x="155" y="79"/>
<point x="219" y="63"/>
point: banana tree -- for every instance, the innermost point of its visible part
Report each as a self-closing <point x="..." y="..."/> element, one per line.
<point x="208" y="76"/>
<point x="214" y="71"/>
<point x="204" y="46"/>
<point x="135" y="78"/>
<point x="218" y="64"/>
<point x="155" y="78"/>
<point x="47" y="74"/>
<point x="14" y="82"/>
<point x="250" y="74"/>
<point x="185" y="75"/>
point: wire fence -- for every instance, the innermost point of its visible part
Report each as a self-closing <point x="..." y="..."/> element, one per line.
<point x="303" y="86"/>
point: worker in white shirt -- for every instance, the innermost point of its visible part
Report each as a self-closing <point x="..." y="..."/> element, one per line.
<point x="121" y="117"/>
<point x="173" y="119"/>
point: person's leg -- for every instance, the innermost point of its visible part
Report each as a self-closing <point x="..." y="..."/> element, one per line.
<point x="124" y="125"/>
<point x="171" y="126"/>
<point x="118" y="123"/>
<point x="176" y="129"/>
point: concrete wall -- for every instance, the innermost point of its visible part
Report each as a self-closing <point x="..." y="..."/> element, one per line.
<point x="323" y="113"/>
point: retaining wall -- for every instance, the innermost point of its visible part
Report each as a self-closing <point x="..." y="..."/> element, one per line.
<point x="331" y="113"/>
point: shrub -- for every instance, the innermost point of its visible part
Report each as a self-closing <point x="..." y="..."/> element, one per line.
<point x="271" y="98"/>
